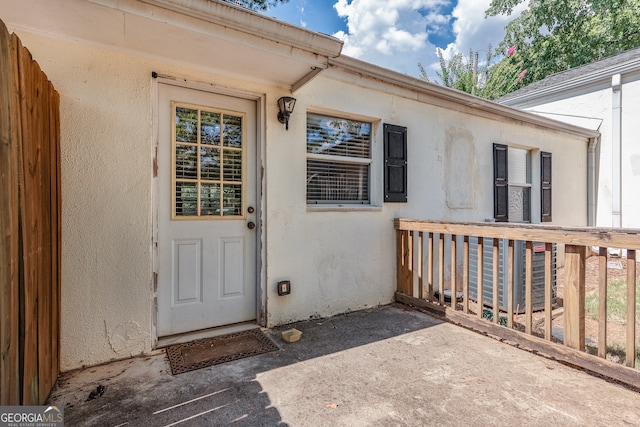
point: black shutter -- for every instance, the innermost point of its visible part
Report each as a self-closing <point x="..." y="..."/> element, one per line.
<point x="501" y="183"/>
<point x="545" y="186"/>
<point x="395" y="163"/>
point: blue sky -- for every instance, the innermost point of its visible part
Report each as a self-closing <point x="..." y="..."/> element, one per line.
<point x="398" y="34"/>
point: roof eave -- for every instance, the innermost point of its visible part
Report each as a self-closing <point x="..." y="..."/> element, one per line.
<point x="461" y="98"/>
<point x="583" y="80"/>
<point x="245" y="20"/>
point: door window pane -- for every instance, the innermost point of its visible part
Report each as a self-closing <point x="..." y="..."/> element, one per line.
<point x="186" y="199"/>
<point x="210" y="128"/>
<point x="208" y="163"/>
<point x="232" y="200"/>
<point x="233" y="131"/>
<point x="186" y="125"/>
<point x="186" y="160"/>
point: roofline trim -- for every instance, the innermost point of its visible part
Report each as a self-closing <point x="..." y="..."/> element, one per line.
<point x="408" y="82"/>
<point x="247" y="21"/>
<point x="586" y="79"/>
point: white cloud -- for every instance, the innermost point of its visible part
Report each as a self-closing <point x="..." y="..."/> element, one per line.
<point x="475" y="32"/>
<point x="390" y="33"/>
<point x="395" y="33"/>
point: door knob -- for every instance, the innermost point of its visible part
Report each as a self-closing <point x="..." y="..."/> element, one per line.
<point x="250" y="209"/>
<point x="251" y="225"/>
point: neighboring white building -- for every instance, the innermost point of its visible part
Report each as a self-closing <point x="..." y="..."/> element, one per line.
<point x="603" y="95"/>
<point x="186" y="201"/>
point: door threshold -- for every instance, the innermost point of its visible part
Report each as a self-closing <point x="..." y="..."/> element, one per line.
<point x="205" y="333"/>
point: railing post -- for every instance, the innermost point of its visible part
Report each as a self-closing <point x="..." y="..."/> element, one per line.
<point x="574" y="294"/>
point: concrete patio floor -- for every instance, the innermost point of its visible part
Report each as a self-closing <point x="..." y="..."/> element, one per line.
<point x="388" y="366"/>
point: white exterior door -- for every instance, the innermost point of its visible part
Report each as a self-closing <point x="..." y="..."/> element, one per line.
<point x="206" y="257"/>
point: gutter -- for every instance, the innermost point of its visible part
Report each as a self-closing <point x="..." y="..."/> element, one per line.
<point x="591" y="182"/>
<point x="616" y="151"/>
<point x="418" y="86"/>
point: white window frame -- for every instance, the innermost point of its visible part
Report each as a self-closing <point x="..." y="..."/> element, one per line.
<point x="373" y="162"/>
<point x="528" y="179"/>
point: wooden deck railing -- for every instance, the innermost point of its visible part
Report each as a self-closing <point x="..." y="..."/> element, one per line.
<point x="443" y="249"/>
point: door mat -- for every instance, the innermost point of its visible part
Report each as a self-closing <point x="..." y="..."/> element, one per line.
<point x="213" y="351"/>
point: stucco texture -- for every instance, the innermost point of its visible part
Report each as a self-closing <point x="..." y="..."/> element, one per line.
<point x="106" y="103"/>
<point x="337" y="259"/>
<point x="343" y="259"/>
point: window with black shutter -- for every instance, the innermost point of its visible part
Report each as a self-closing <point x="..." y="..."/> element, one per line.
<point x="501" y="183"/>
<point x="545" y="186"/>
<point x="395" y="163"/>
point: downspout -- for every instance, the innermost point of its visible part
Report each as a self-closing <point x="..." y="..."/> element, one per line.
<point x="591" y="181"/>
<point x="616" y="152"/>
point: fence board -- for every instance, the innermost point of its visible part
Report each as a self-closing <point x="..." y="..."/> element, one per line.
<point x="56" y="228"/>
<point x="9" y="222"/>
<point x="30" y="227"/>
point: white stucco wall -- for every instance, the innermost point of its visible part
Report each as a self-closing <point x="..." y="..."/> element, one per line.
<point x="341" y="259"/>
<point x="337" y="260"/>
<point x="630" y="151"/>
<point x="106" y="106"/>
<point x="595" y="101"/>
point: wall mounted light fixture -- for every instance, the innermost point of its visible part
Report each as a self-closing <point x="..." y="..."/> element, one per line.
<point x="285" y="107"/>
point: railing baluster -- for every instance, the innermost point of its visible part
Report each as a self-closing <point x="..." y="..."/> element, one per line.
<point x="575" y="240"/>
<point x="420" y="267"/>
<point x="510" y="284"/>
<point x="399" y="261"/>
<point x="453" y="271"/>
<point x="529" y="286"/>
<point x="548" y="296"/>
<point x="630" y="359"/>
<point x="496" y="281"/>
<point x="410" y="263"/>
<point x="430" y="267"/>
<point x="602" y="303"/>
<point x="480" y="286"/>
<point x="441" y="268"/>
<point x="465" y="275"/>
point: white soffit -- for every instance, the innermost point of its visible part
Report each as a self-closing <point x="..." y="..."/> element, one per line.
<point x="200" y="33"/>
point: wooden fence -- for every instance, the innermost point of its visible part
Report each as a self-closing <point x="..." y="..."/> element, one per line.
<point x="426" y="250"/>
<point x="29" y="227"/>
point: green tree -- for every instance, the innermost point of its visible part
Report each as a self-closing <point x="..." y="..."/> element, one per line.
<point x="486" y="79"/>
<point x="555" y="35"/>
<point x="257" y="4"/>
